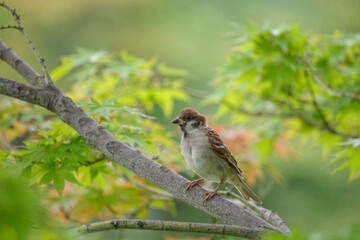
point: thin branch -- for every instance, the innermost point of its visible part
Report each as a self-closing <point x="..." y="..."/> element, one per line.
<point x="326" y="86"/>
<point x="29" y="42"/>
<point x="159" y="225"/>
<point x="9" y="27"/>
<point x="29" y="74"/>
<point x="264" y="113"/>
<point x="318" y="108"/>
<point x="327" y="126"/>
<point x="296" y="114"/>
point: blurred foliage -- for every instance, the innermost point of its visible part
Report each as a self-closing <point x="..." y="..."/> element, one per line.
<point x="123" y="78"/>
<point x="296" y="85"/>
<point x="183" y="33"/>
<point x="22" y="214"/>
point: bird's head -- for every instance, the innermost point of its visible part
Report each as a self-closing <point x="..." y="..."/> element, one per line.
<point x="189" y="120"/>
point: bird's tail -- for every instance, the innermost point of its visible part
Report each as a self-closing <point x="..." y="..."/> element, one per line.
<point x="244" y="190"/>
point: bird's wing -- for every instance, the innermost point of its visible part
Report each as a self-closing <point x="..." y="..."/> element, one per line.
<point x="220" y="149"/>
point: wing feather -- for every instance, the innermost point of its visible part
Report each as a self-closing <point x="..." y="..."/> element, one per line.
<point x="220" y="149"/>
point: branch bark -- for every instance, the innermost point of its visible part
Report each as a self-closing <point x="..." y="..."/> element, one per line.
<point x="47" y="95"/>
<point x="27" y="72"/>
<point x="160" y="225"/>
<point x="27" y="93"/>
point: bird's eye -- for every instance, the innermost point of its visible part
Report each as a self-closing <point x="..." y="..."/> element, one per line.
<point x="188" y="118"/>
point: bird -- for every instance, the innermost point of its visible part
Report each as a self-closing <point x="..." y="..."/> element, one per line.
<point x="208" y="156"/>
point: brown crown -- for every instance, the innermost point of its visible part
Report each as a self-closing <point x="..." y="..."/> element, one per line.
<point x="190" y="113"/>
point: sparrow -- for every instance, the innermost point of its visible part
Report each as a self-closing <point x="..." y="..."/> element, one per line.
<point x="208" y="156"/>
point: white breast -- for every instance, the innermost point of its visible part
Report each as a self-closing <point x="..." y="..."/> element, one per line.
<point x="200" y="158"/>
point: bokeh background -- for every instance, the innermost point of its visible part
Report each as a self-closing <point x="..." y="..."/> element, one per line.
<point x="196" y="36"/>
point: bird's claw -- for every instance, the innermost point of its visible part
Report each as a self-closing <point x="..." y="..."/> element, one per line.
<point x="192" y="184"/>
<point x="210" y="195"/>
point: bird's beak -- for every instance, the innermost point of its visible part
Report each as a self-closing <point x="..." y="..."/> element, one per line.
<point x="178" y="121"/>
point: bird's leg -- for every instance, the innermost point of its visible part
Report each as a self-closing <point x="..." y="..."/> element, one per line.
<point x="192" y="184"/>
<point x="211" y="194"/>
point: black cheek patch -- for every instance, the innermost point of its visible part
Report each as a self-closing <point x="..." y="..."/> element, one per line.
<point x="195" y="124"/>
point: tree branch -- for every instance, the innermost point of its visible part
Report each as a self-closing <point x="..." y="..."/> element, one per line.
<point x="265" y="113"/>
<point x="47" y="79"/>
<point x="27" y="93"/>
<point x="321" y="114"/>
<point x="9" y="27"/>
<point x="28" y="73"/>
<point x="159" y="225"/>
<point x="327" y="126"/>
<point x="326" y="86"/>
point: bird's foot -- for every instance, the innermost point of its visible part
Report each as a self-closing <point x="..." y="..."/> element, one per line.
<point x="192" y="184"/>
<point x="210" y="195"/>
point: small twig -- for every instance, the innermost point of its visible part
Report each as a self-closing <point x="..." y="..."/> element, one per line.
<point x="160" y="225"/>
<point x="296" y="114"/>
<point x="29" y="42"/>
<point x="326" y="86"/>
<point x="318" y="108"/>
<point x="10" y="27"/>
<point x="322" y="116"/>
<point x="264" y="113"/>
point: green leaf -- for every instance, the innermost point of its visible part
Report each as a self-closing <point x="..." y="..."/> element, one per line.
<point x="69" y="176"/>
<point x="46" y="178"/>
<point x="93" y="173"/>
<point x="104" y="109"/>
<point x="99" y="179"/>
<point x="4" y="155"/>
<point x="59" y="182"/>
